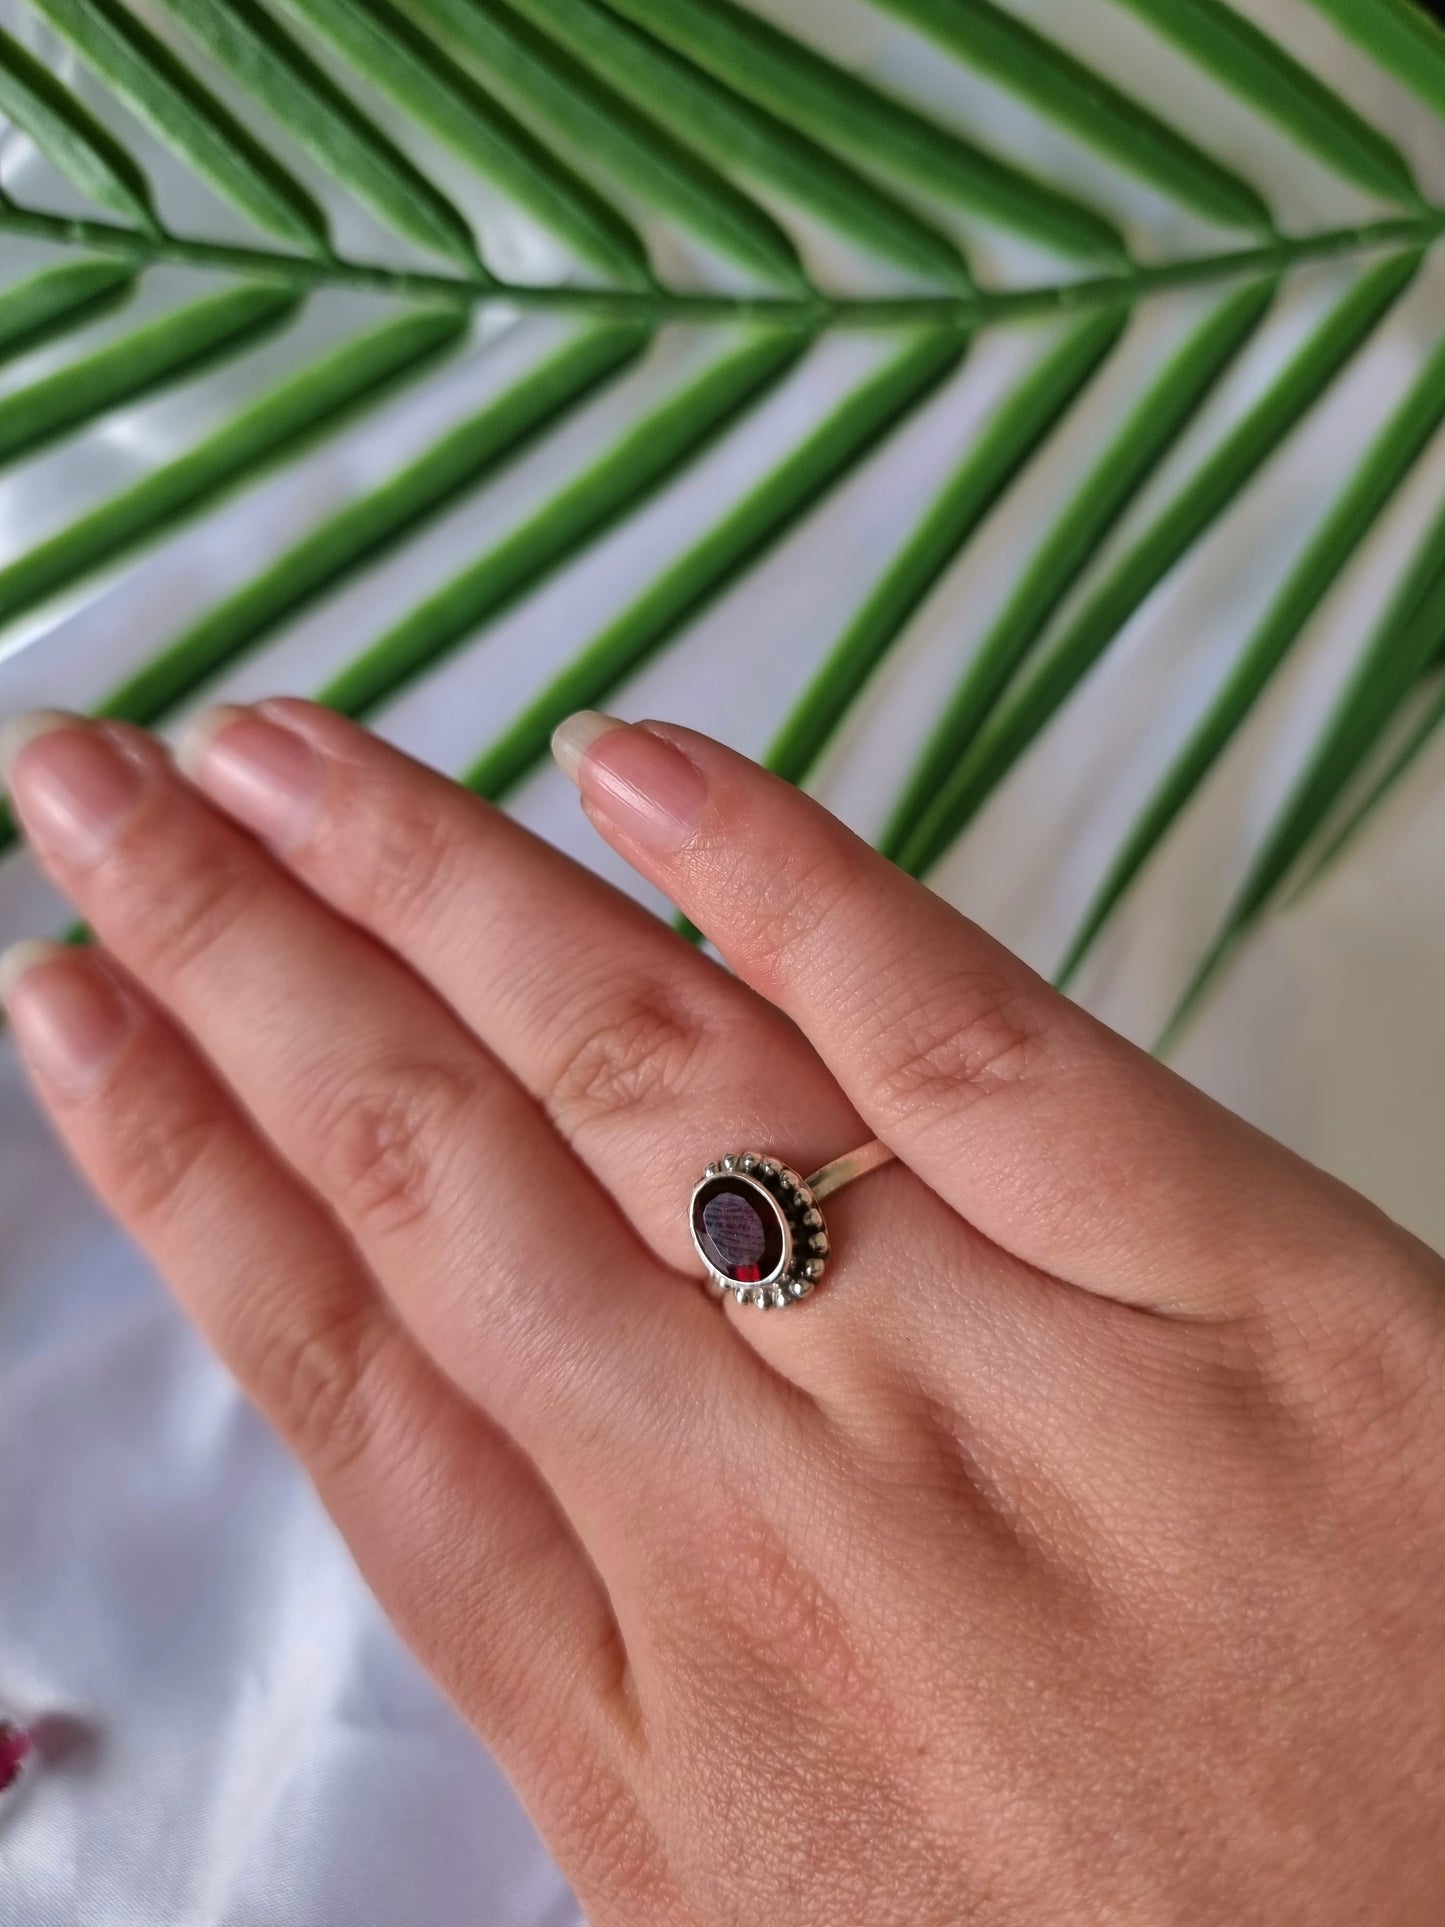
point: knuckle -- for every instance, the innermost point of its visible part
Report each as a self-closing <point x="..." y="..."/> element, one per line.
<point x="196" y="908"/>
<point x="794" y="911"/>
<point x="386" y="1141"/>
<point x="1371" y="1378"/>
<point x="986" y="1039"/>
<point x="742" y="1583"/>
<point x="601" y="1822"/>
<point x="318" y="1383"/>
<point x="806" y="1629"/>
<point x="166" y="1160"/>
<point x="411" y="859"/>
<point x="636" y="1049"/>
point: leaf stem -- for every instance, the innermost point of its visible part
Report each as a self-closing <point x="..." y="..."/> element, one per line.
<point x="980" y="308"/>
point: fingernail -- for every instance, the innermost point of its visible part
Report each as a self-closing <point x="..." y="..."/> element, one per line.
<point x="267" y="777"/>
<point x="645" y="787"/>
<point x="74" y="785"/>
<point x="572" y="738"/>
<point x="68" y="1013"/>
<point x="17" y="731"/>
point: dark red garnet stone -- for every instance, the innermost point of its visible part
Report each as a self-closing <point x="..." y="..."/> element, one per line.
<point x="739" y="1229"/>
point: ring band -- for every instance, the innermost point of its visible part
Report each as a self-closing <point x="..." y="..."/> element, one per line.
<point x="757" y="1227"/>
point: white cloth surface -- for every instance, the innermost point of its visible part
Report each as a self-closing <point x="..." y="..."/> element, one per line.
<point x="247" y="1743"/>
<point x="246" y="1740"/>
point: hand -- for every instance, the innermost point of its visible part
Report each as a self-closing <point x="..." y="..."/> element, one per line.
<point x="1074" y="1554"/>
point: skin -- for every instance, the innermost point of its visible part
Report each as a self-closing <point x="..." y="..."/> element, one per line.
<point x="1073" y="1554"/>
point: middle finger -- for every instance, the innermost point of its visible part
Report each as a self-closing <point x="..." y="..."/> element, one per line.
<point x="651" y="1060"/>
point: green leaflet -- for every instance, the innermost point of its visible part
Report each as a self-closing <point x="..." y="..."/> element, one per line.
<point x="1397" y="767"/>
<point x="385" y="48"/>
<point x="1076" y="97"/>
<point x="280" y="422"/>
<point x="750" y="527"/>
<point x="71" y="138"/>
<point x="1401" y="36"/>
<point x="359" y="534"/>
<point x="1369" y="490"/>
<point x="641" y="458"/>
<point x="158" y="352"/>
<point x="1051" y="678"/>
<point x="735" y="133"/>
<point x="1016" y="429"/>
<point x="49" y="303"/>
<point x="867" y="125"/>
<point x="1144" y="439"/>
<point x="1408" y="639"/>
<point x="1258" y="69"/>
<point x="187" y="118"/>
<point x="283" y="79"/>
<point x="561" y="94"/>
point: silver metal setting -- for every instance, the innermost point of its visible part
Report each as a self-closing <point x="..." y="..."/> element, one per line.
<point x="794" y="1202"/>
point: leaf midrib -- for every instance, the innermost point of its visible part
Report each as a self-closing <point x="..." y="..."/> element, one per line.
<point x="980" y="308"/>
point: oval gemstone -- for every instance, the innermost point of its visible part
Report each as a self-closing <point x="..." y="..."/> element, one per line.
<point x="739" y="1229"/>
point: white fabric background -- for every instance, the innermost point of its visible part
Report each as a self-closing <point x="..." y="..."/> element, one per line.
<point x="245" y="1742"/>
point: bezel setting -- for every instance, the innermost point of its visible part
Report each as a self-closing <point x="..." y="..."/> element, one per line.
<point x="776" y="1193"/>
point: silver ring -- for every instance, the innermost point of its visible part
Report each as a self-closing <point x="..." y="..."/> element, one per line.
<point x="757" y="1227"/>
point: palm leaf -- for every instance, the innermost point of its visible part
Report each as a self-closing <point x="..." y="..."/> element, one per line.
<point x="280" y="75"/>
<point x="444" y="471"/>
<point x="44" y="306"/>
<point x="291" y="240"/>
<point x="742" y="533"/>
<point x="1084" y="101"/>
<point x="1409" y="638"/>
<point x="1395" y="767"/>
<point x="732" y="131"/>
<point x="1399" y="36"/>
<point x="271" y="427"/>
<point x="995" y="728"/>
<point x="382" y="45"/>
<point x="621" y="475"/>
<point x="154" y="355"/>
<point x="70" y="136"/>
<point x="1228" y="45"/>
<point x="1021" y="422"/>
<point x="141" y="71"/>
<point x="596" y="122"/>
<point x="764" y="65"/>
<point x="1366" y="494"/>
<point x="1141" y="443"/>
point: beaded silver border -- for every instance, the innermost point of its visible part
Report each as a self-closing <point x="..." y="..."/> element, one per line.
<point x="807" y="1257"/>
